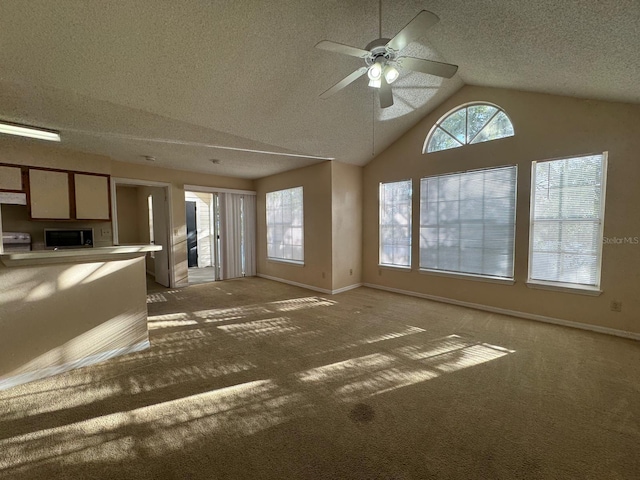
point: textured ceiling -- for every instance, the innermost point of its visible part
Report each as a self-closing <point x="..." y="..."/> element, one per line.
<point x="178" y="80"/>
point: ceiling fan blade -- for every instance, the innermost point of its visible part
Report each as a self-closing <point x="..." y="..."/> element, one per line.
<point x="344" y="82"/>
<point x="438" y="69"/>
<point x="385" y="94"/>
<point x="413" y="30"/>
<point x="340" y="48"/>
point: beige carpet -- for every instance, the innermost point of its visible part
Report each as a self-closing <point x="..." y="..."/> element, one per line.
<point x="252" y="379"/>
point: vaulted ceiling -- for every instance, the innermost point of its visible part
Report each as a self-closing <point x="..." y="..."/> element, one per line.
<point x="192" y="80"/>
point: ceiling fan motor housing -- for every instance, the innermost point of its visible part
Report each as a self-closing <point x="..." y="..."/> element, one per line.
<point x="379" y="52"/>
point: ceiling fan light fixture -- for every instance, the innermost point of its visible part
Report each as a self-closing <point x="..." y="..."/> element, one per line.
<point x="375" y="71"/>
<point x="391" y="74"/>
<point x="375" y="83"/>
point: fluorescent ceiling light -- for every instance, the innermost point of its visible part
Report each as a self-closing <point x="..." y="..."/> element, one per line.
<point x="31" y="132"/>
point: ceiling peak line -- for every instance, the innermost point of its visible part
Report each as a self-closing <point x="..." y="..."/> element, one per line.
<point x="195" y="144"/>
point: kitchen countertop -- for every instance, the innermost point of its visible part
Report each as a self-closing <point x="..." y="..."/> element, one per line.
<point x="79" y="255"/>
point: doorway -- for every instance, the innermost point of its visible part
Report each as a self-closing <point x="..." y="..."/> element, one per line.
<point x="192" y="234"/>
<point x="221" y="228"/>
<point x="141" y="215"/>
<point x="203" y="245"/>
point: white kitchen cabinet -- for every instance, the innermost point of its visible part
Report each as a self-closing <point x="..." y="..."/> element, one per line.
<point x="10" y="178"/>
<point x="49" y="196"/>
<point x="91" y="197"/>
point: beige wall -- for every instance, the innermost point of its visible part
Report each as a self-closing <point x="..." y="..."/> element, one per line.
<point x="316" y="183"/>
<point x="332" y="226"/>
<point x="46" y="154"/>
<point x="546" y="127"/>
<point x="346" y="212"/>
<point x="178" y="179"/>
<point x="26" y="152"/>
<point x="54" y="315"/>
<point x="15" y="218"/>
<point x="128" y="215"/>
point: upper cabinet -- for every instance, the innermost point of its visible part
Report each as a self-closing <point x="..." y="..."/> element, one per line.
<point x="49" y="195"/>
<point x="62" y="195"/>
<point x="92" y="197"/>
<point x="10" y="179"/>
<point x="11" y="185"/>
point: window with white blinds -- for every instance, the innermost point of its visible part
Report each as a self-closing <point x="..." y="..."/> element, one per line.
<point x="285" y="225"/>
<point x="467" y="222"/>
<point x="567" y="213"/>
<point x="395" y="224"/>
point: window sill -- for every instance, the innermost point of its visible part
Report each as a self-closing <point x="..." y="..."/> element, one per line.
<point x="469" y="276"/>
<point x="295" y="263"/>
<point x="394" y="267"/>
<point x="565" y="287"/>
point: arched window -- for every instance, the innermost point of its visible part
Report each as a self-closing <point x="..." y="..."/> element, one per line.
<point x="470" y="123"/>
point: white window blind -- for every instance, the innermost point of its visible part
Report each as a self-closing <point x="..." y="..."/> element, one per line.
<point x="567" y="213"/>
<point x="467" y="222"/>
<point x="285" y="225"/>
<point x="395" y="224"/>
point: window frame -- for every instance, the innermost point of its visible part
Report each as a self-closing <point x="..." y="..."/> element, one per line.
<point x="444" y="117"/>
<point x="410" y="226"/>
<point x="584" y="289"/>
<point x="510" y="280"/>
<point x="299" y="262"/>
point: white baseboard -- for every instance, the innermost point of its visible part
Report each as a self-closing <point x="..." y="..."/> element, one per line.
<point x="346" y="289"/>
<point x="9" y="382"/>
<point x="296" y="284"/>
<point x="513" y="313"/>
<point x="310" y="287"/>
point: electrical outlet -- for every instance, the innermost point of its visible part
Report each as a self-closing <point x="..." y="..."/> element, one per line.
<point x="322" y="274"/>
<point x="616" y="306"/>
<point x="105" y="232"/>
<point x="351" y="271"/>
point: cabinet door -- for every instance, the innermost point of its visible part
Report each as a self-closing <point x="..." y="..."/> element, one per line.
<point x="11" y="178"/>
<point x="92" y="197"/>
<point x="49" y="194"/>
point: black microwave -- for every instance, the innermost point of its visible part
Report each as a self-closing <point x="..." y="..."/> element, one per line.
<point x="68" y="238"/>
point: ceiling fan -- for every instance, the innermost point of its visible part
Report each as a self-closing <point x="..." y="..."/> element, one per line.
<point x="381" y="58"/>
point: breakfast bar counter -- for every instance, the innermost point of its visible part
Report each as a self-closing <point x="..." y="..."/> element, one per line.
<point x="65" y="309"/>
<point x="42" y="257"/>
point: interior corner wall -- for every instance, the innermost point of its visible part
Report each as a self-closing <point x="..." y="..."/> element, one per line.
<point x="546" y="127"/>
<point x="317" y="269"/>
<point x="346" y="220"/>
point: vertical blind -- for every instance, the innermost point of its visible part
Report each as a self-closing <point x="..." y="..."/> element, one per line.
<point x="285" y="225"/>
<point x="566" y="220"/>
<point x="467" y="222"/>
<point x="395" y="223"/>
<point x="231" y="238"/>
<point x="249" y="234"/>
<point x="238" y="234"/>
